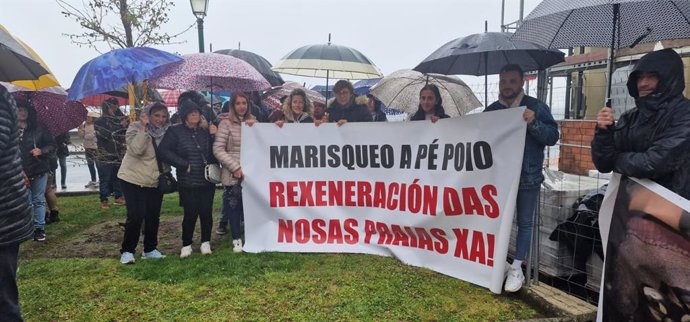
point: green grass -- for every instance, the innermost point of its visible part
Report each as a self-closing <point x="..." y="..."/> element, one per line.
<point x="228" y="286"/>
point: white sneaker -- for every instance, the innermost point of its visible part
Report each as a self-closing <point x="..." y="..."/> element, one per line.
<point x="237" y="245"/>
<point x="515" y="280"/>
<point x="186" y="251"/>
<point x="206" y="248"/>
<point x="127" y="258"/>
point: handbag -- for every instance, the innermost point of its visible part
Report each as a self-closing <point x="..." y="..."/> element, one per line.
<point x="166" y="181"/>
<point x="212" y="171"/>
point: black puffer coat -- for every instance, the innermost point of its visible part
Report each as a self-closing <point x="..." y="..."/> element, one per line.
<point x="16" y="218"/>
<point x="36" y="135"/>
<point x="179" y="148"/>
<point x="651" y="141"/>
<point x="353" y="112"/>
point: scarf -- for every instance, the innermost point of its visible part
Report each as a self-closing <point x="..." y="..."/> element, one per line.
<point x="157" y="132"/>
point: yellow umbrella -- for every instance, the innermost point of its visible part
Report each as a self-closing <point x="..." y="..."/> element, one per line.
<point x="45" y="81"/>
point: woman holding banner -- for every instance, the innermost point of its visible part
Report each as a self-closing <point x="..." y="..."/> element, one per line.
<point x="226" y="148"/>
<point x="297" y="108"/>
<point x="430" y="105"/>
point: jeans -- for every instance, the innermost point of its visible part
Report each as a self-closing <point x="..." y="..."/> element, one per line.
<point x="233" y="214"/>
<point x="91" y="162"/>
<point x="197" y="202"/>
<point x="37" y="198"/>
<point x="63" y="170"/>
<point x="143" y="206"/>
<point x="9" y="295"/>
<point x="109" y="181"/>
<point x="526" y="204"/>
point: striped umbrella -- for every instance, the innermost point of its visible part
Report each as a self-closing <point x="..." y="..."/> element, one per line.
<point x="210" y="71"/>
<point x="272" y="97"/>
<point x="170" y="97"/>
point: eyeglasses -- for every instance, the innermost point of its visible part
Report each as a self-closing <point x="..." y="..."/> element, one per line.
<point x="343" y="93"/>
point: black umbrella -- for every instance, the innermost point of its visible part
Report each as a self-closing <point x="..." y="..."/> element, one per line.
<point x="258" y="62"/>
<point x="485" y="53"/>
<point x="15" y="66"/>
<point x="605" y="23"/>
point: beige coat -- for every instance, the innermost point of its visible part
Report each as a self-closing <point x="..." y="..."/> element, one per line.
<point x="88" y="133"/>
<point x="139" y="166"/>
<point x="226" y="148"/>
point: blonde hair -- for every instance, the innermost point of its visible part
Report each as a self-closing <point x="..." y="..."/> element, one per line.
<point x="287" y="109"/>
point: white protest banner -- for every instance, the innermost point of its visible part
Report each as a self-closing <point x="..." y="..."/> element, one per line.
<point x="647" y="246"/>
<point x="437" y="195"/>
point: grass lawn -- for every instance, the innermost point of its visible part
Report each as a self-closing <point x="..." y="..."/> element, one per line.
<point x="76" y="276"/>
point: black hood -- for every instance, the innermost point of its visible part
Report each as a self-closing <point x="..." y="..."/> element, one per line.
<point x="668" y="66"/>
<point x="187" y="106"/>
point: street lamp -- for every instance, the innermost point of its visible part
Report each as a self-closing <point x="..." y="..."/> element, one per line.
<point x="199" y="8"/>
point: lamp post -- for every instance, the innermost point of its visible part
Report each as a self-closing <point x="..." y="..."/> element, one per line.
<point x="199" y="8"/>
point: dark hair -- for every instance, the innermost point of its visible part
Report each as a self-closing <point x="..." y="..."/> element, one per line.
<point x="154" y="107"/>
<point x="32" y="115"/>
<point x="377" y="103"/>
<point x="193" y="96"/>
<point x="437" y="93"/>
<point x="343" y="84"/>
<point x="513" y="68"/>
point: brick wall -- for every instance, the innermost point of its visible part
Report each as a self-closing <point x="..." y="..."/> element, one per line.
<point x="575" y="155"/>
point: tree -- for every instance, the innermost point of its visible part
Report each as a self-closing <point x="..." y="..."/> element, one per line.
<point x="140" y="20"/>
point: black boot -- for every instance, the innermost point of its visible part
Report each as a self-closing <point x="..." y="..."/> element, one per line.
<point x="54" y="216"/>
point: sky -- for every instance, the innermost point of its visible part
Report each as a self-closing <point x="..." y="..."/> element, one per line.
<point x="394" y="34"/>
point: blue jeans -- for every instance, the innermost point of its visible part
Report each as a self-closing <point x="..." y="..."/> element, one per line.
<point x="37" y="198"/>
<point x="526" y="204"/>
<point x="233" y="214"/>
<point x="109" y="183"/>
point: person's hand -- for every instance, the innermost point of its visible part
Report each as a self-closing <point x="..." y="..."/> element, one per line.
<point x="212" y="129"/>
<point x="203" y="124"/>
<point x="124" y="122"/>
<point x="317" y="122"/>
<point x="237" y="173"/>
<point x="528" y="116"/>
<point x="36" y="152"/>
<point x="605" y="118"/>
<point x="434" y="118"/>
<point x="280" y="123"/>
<point x="341" y="122"/>
<point x="250" y="122"/>
<point x="144" y="119"/>
<point x="27" y="182"/>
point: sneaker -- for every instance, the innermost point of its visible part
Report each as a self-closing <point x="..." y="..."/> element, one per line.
<point x="105" y="205"/>
<point x="155" y="254"/>
<point x="186" y="251"/>
<point x="222" y="229"/>
<point x="206" y="248"/>
<point x="237" y="245"/>
<point x="127" y="258"/>
<point x="39" y="235"/>
<point x="514" y="280"/>
<point x="120" y="201"/>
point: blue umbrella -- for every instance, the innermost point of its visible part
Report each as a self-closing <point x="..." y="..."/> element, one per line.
<point x="362" y="87"/>
<point x="117" y="68"/>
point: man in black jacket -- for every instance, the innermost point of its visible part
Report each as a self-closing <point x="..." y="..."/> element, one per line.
<point x="110" y="139"/>
<point x="344" y="109"/>
<point x="16" y="222"/>
<point x="652" y="140"/>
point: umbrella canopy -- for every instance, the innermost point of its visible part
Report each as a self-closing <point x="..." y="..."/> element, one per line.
<point x="258" y="62"/>
<point x="273" y="96"/>
<point x="15" y="64"/>
<point x="362" y="87"/>
<point x="43" y="81"/>
<point x="400" y="90"/>
<point x="328" y="61"/>
<point x="605" y="23"/>
<point x="57" y="113"/>
<point x="97" y="100"/>
<point x="210" y="71"/>
<point x="117" y="68"/>
<point x="170" y="97"/>
<point x="486" y="53"/>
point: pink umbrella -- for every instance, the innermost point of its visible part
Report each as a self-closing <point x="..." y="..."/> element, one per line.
<point x="97" y="100"/>
<point x="208" y="72"/>
<point x="273" y="96"/>
<point x="170" y="97"/>
<point x="54" y="110"/>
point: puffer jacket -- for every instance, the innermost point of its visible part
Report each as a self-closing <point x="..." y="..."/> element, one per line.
<point x="139" y="166"/>
<point x="352" y="112"/>
<point x="179" y="148"/>
<point x="542" y="132"/>
<point x="36" y="135"/>
<point x="16" y="217"/>
<point x="226" y="148"/>
<point x="652" y="140"/>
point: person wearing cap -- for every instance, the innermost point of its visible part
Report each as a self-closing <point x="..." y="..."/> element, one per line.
<point x="187" y="147"/>
<point x="110" y="137"/>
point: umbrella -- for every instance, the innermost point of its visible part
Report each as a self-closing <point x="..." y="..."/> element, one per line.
<point x="16" y="62"/>
<point x="328" y="61"/>
<point x="272" y="97"/>
<point x="605" y="23"/>
<point x="97" y="100"/>
<point x="362" y="87"/>
<point x="400" y="90"/>
<point x="117" y="68"/>
<point x="170" y="97"/>
<point x="486" y="53"/>
<point x="57" y="113"/>
<point x="43" y="81"/>
<point x="323" y="90"/>
<point x="122" y="96"/>
<point x="258" y="62"/>
<point x="206" y="71"/>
